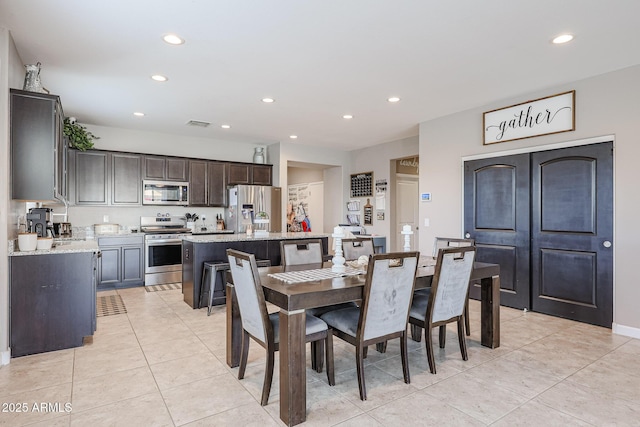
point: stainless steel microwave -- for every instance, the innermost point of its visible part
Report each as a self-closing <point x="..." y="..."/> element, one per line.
<point x="165" y="193"/>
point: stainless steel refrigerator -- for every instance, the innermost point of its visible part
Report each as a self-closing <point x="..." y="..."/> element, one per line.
<point x="246" y="201"/>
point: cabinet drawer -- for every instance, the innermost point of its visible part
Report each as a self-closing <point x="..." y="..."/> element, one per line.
<point x="119" y="241"/>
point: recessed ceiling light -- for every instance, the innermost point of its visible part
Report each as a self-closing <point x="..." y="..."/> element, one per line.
<point x="562" y="38"/>
<point x="268" y="100"/>
<point x="347" y="116"/>
<point x="172" y="39"/>
<point x="293" y="136"/>
<point x="393" y="99"/>
<point x="225" y="126"/>
<point x="138" y="113"/>
<point x="159" y="78"/>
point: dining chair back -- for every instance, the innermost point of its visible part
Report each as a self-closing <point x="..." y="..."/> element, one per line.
<point x="450" y="242"/>
<point x="353" y="249"/>
<point x="296" y="252"/>
<point x="384" y="311"/>
<point x="263" y="327"/>
<point x="447" y="299"/>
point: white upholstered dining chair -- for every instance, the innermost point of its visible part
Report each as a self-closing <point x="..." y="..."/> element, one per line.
<point x="446" y="300"/>
<point x="262" y="327"/>
<point x="383" y="313"/>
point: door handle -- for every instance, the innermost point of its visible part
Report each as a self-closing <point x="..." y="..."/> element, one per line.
<point x="606" y="244"/>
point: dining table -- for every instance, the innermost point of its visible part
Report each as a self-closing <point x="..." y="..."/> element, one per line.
<point x="293" y="294"/>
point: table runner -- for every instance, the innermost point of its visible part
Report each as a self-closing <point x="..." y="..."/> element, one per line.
<point x="316" y="274"/>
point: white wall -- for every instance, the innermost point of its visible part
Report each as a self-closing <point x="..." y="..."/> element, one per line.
<point x="11" y="76"/>
<point x="304" y="175"/>
<point x="378" y="159"/>
<point x="605" y="105"/>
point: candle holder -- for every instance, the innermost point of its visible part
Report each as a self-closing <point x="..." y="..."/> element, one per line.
<point x="406" y="231"/>
<point x="338" y="260"/>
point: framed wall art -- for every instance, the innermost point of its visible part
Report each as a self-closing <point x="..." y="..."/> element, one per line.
<point x="543" y="116"/>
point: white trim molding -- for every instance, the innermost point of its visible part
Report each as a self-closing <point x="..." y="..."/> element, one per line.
<point x="627" y="331"/>
<point x="5" y="357"/>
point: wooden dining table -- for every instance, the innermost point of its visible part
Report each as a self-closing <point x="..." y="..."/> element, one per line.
<point x="294" y="298"/>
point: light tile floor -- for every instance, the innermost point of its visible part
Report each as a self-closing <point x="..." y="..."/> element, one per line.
<point x="163" y="364"/>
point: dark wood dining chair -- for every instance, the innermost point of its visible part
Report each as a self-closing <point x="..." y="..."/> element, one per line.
<point x="352" y="249"/>
<point x="384" y="311"/>
<point x="446" y="300"/>
<point x="262" y="327"/>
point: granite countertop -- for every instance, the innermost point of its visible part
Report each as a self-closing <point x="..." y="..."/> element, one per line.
<point x="61" y="247"/>
<point x="242" y="237"/>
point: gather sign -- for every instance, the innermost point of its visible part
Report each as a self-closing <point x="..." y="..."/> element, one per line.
<point x="544" y="116"/>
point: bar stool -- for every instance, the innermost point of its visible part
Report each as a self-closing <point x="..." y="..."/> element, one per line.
<point x="213" y="282"/>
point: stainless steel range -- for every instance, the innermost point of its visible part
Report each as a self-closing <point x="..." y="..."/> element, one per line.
<point x="163" y="248"/>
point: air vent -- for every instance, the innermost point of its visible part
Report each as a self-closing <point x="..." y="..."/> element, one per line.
<point x="198" y="123"/>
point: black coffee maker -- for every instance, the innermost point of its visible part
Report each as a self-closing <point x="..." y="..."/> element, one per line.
<point x="39" y="221"/>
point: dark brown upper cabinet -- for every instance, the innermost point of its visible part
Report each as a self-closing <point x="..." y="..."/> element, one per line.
<point x="38" y="147"/>
<point x="163" y="168"/>
<point x="207" y="183"/>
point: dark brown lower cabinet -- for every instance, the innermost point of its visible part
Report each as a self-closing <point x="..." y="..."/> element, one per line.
<point x="53" y="301"/>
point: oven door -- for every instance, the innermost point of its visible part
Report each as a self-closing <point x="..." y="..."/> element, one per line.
<point x="162" y="255"/>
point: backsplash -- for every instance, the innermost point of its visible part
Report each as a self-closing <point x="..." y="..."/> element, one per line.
<point x="129" y="217"/>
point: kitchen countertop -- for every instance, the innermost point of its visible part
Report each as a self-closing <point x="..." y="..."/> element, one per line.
<point x="242" y="237"/>
<point x="61" y="247"/>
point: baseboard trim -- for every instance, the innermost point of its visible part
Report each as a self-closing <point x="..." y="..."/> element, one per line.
<point x="5" y="357"/>
<point x="627" y="331"/>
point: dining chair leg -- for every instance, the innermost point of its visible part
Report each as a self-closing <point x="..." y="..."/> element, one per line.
<point x="317" y="355"/>
<point x="405" y="358"/>
<point x="429" y="345"/>
<point x="462" y="340"/>
<point x="381" y="347"/>
<point x="466" y="317"/>
<point x="442" y="335"/>
<point x="416" y="333"/>
<point x="360" y="368"/>
<point x="365" y="350"/>
<point x="330" y="366"/>
<point x="243" y="354"/>
<point x="268" y="377"/>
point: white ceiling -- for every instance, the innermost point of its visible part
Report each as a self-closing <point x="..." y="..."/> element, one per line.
<point x="319" y="59"/>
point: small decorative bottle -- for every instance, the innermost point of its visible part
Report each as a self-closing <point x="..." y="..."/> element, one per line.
<point x="258" y="155"/>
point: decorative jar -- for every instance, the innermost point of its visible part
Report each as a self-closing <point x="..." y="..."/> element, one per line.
<point x="258" y="155"/>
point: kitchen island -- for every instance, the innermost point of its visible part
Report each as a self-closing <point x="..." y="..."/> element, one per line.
<point x="196" y="250"/>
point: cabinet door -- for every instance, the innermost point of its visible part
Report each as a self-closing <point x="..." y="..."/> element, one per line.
<point x="33" y="144"/>
<point x="154" y="167"/>
<point x="261" y="174"/>
<point x="132" y="264"/>
<point x="127" y="185"/>
<point x="217" y="177"/>
<point x="239" y="173"/>
<point x="109" y="266"/>
<point x="52" y="305"/>
<point x="91" y="178"/>
<point x="60" y="185"/>
<point x="198" y="183"/>
<point x="177" y="169"/>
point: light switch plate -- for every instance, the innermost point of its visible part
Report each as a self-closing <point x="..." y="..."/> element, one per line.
<point x="426" y="222"/>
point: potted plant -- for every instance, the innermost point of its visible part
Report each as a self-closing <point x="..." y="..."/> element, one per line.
<point x="79" y="137"/>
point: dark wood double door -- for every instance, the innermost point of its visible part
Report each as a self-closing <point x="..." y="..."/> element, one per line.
<point x="547" y="219"/>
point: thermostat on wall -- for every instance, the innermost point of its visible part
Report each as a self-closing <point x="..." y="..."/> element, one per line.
<point x="425" y="197"/>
